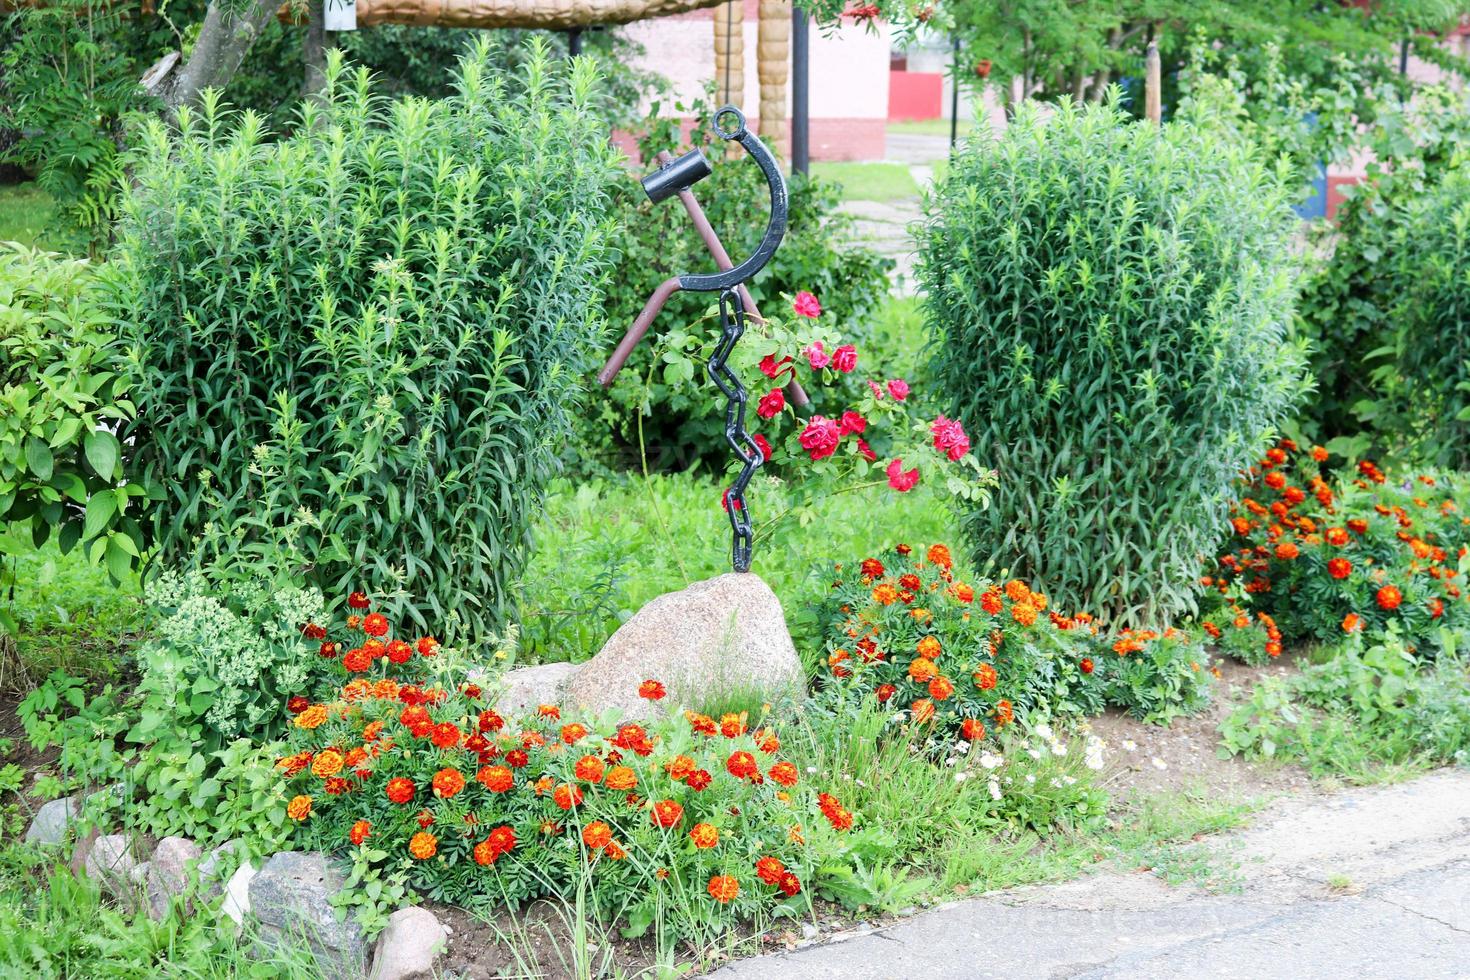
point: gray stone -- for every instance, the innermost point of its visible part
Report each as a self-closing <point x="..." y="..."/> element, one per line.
<point x="110" y="862"/>
<point x="53" y="822"/>
<point x="525" y="688"/>
<point x="291" y="898"/>
<point x="168" y="873"/>
<point x="719" y="639"/>
<point x="409" y="945"/>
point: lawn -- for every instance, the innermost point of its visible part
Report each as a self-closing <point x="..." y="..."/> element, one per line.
<point x="870" y="181"/>
<point x="27" y="214"/>
<point x="929" y="127"/>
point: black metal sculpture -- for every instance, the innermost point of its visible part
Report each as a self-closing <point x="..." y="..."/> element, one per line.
<point x="676" y="177"/>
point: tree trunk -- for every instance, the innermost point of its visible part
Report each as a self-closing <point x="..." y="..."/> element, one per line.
<point x="314" y="48"/>
<point x="1153" y="95"/>
<point x="224" y="40"/>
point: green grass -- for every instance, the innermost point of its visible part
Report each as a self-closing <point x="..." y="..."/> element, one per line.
<point x="870" y="181"/>
<point x="27" y="215"/>
<point x="930" y="127"/>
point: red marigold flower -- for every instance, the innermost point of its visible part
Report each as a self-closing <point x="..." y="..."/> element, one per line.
<point x="770" y="404"/>
<point x="314" y="632"/>
<point x="1339" y="568"/>
<point x="399" y="652"/>
<point x="704" y="836"/>
<point x="490" y="721"/>
<point x="425" y="819"/>
<point x="1388" y="598"/>
<point x="375" y="624"/>
<point x="836" y="814"/>
<point x="922" y="710"/>
<point x="1086" y="665"/>
<point x="770" y="870"/>
<point x="940" y="688"/>
<point x="939" y="554"/>
<point x="427" y="646"/>
<point x="329" y="649"/>
<point x="898" y="479"/>
<point x="666" y="814"/>
<point x="446" y="735"/>
<point x="399" y="790"/>
<point x="790" y="884"/>
<point x="972" y="730"/>
<point x="724" y="888"/>
<point x="851" y="421"/>
<point x="742" y="765"/>
<point x="871" y="568"/>
<point x="597" y="835"/>
<point x="806" y="305"/>
<point x="448" y="783"/>
<point x="360" y="832"/>
<point x="497" y="779"/>
<point x="982" y="68"/>
<point x="1436" y="608"/>
<point x="297" y="704"/>
<point x="357" y="660"/>
<point x="299" y="808"/>
<point x="1004" y="714"/>
<point x="899" y="389"/>
<point x="357" y="600"/>
<point x="652" y="690"/>
<point x="699" y="779"/>
<point x="820" y="437"/>
<point x="1319" y="454"/>
<point x="885" y="692"/>
<point x="950" y="438"/>
<point x="589" y="769"/>
<point x="844" y="359"/>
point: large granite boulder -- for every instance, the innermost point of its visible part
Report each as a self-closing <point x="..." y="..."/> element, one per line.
<point x="524" y="689"/>
<point x="168" y="873"/>
<point x="291" y="898"/>
<point x="53" y="821"/>
<point x="718" y="639"/>
<point x="409" y="945"/>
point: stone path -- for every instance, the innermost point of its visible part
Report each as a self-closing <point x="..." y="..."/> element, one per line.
<point x="885" y="225"/>
<point x="1364" y="883"/>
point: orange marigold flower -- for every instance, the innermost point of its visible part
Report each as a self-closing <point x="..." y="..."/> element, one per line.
<point x="497" y="779"/>
<point x="939" y="555"/>
<point x="327" y="763"/>
<point x="446" y="735"/>
<point x="732" y="725"/>
<point x="589" y="769"/>
<point x="884" y="595"/>
<point x="784" y="774"/>
<point x="313" y="717"/>
<point x="963" y="592"/>
<point x="1339" y="568"/>
<point x="620" y="778"/>
<point x="1358" y="525"/>
<point x="940" y="688"/>
<point x="573" y="733"/>
<point x="1016" y="591"/>
<point x="991" y="601"/>
<point x="929" y="648"/>
<point x="399" y="790"/>
<point x="357" y="660"/>
<point x="1337" y="537"/>
<point x="1388" y="598"/>
<point x="767" y="741"/>
<point x="724" y="888"/>
<point x="922" y="671"/>
<point x="1436" y="608"/>
<point x="597" y="835"/>
<point x="652" y="690"/>
<point x="704" y="836"/>
<point x="666" y="814"/>
<point x="702" y="724"/>
<point x="770" y="870"/>
<point x="448" y="783"/>
<point x="360" y="832"/>
<point x="742" y="765"/>
<point x="423" y="845"/>
<point x="679" y="768"/>
<point x="1004" y="714"/>
<point x="837" y="815"/>
<point x="299" y="808"/>
<point x="923" y="710"/>
<point x="614" y="851"/>
<point x="548" y="711"/>
<point x="567" y="796"/>
<point x="972" y="730"/>
<point x="1287" y="551"/>
<point x="1351" y="623"/>
<point x="986" y="677"/>
<point x="1024" y="613"/>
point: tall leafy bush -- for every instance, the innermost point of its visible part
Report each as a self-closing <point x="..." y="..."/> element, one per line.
<point x="61" y="467"/>
<point x="368" y="336"/>
<point x="1108" y="304"/>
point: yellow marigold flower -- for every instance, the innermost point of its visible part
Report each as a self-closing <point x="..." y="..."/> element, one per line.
<point x="299" y="808"/>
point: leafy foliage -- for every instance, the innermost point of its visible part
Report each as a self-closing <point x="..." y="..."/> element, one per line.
<point x="371" y="332"/>
<point x="683" y="420"/>
<point x="1108" y="304"/>
<point x="61" y="395"/>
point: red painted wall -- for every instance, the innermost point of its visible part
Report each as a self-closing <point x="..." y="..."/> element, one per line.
<point x="915" y="95"/>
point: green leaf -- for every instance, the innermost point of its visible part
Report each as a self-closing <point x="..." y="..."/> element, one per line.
<point x="102" y="453"/>
<point x="39" y="458"/>
<point x="100" y="510"/>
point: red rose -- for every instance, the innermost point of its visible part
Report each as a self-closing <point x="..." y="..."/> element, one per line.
<point x="899" y="480"/>
<point x="844" y="358"/>
<point x="820" y="438"/>
<point x="899" y="389"/>
<point x="982" y="68"/>
<point x="764" y="446"/>
<point x="771" y="404"/>
<point x="852" y="422"/>
<point x="806" y="305"/>
<point x="950" y="438"/>
<point x="866" y="451"/>
<point x="771" y="367"/>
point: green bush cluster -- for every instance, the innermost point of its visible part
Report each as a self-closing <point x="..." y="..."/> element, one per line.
<point x="369" y="335"/>
<point x="684" y="420"/>
<point x="1108" y="304"/>
<point x="61" y="395"/>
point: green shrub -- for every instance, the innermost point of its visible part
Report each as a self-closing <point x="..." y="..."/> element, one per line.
<point x="372" y="332"/>
<point x="61" y="469"/>
<point x="1156" y="677"/>
<point x="1108" y="303"/>
<point x="684" y="420"/>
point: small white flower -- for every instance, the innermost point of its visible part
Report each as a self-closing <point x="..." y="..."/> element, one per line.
<point x="1056" y="783"/>
<point x="989" y="760"/>
<point x="812" y="770"/>
<point x="1033" y="753"/>
<point x="994" y="789"/>
<point x="1030" y="779"/>
<point x="1130" y="745"/>
<point x="1044" y="730"/>
<point x="1069" y="780"/>
<point x="961" y="776"/>
<point x="1057" y="748"/>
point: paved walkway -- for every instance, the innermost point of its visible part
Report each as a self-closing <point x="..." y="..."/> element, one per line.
<point x="1363" y="883"/>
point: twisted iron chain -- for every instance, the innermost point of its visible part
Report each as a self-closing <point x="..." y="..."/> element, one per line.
<point x="732" y="326"/>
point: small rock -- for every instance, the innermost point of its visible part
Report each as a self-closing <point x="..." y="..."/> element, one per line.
<point x="809" y="931"/>
<point x="168" y="873"/>
<point x="291" y="897"/>
<point x="110" y="862"/>
<point x="524" y="688"/>
<point x="719" y="638"/>
<point x="52" y="822"/>
<point x="408" y="946"/>
<point x="237" y="893"/>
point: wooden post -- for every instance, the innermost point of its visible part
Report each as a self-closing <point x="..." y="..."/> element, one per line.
<point x="1153" y="85"/>
<point x="773" y="47"/>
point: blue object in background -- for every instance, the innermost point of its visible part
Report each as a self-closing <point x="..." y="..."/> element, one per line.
<point x="1315" y="206"/>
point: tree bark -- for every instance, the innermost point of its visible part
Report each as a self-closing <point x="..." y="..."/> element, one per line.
<point x="224" y="40"/>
